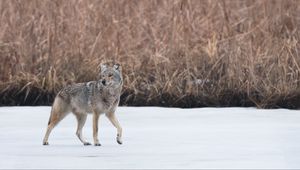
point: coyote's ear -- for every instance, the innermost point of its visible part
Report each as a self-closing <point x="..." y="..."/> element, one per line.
<point x="103" y="67"/>
<point x="117" y="66"/>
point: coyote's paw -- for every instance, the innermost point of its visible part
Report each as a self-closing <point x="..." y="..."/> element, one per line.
<point x="86" y="143"/>
<point x="119" y="140"/>
<point x="45" y="143"/>
<point x="97" y="144"/>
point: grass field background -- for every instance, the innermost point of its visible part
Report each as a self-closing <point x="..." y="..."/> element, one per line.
<point x="186" y="53"/>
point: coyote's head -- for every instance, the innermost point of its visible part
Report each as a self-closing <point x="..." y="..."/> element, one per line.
<point x="111" y="75"/>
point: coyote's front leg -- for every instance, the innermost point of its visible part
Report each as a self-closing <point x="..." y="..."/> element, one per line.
<point x="81" y="119"/>
<point x="96" y="116"/>
<point x="111" y="116"/>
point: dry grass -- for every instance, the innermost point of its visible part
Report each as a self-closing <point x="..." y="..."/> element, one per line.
<point x="183" y="53"/>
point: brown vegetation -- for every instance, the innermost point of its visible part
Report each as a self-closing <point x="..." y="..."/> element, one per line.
<point x="183" y="53"/>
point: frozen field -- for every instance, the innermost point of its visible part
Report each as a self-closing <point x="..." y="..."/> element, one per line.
<point x="154" y="138"/>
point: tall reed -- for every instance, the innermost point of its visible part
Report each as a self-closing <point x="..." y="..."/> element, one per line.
<point x="183" y="53"/>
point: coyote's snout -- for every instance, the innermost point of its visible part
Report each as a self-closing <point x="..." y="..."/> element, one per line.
<point x="96" y="97"/>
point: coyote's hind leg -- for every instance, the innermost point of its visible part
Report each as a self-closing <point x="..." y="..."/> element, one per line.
<point x="59" y="111"/>
<point x="54" y="119"/>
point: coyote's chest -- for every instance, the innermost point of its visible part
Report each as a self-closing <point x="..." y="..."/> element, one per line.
<point x="102" y="103"/>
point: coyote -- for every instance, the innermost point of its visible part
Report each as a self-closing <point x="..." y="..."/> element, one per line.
<point x="96" y="97"/>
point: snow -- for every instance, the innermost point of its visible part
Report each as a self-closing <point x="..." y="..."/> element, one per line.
<point x="154" y="137"/>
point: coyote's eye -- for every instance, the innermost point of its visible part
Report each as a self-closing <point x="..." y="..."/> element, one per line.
<point x="110" y="75"/>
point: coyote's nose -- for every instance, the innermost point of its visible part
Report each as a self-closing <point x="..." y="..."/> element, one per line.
<point x="103" y="82"/>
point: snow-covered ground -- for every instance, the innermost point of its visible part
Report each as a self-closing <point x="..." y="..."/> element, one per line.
<point x="155" y="138"/>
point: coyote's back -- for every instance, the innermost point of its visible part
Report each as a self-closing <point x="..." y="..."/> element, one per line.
<point x="96" y="97"/>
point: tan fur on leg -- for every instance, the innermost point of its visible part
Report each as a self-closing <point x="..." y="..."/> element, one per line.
<point x="81" y="119"/>
<point x="55" y="118"/>
<point x="111" y="116"/>
<point x="95" y="128"/>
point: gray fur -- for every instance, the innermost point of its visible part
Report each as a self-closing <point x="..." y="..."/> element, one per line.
<point x="96" y="97"/>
